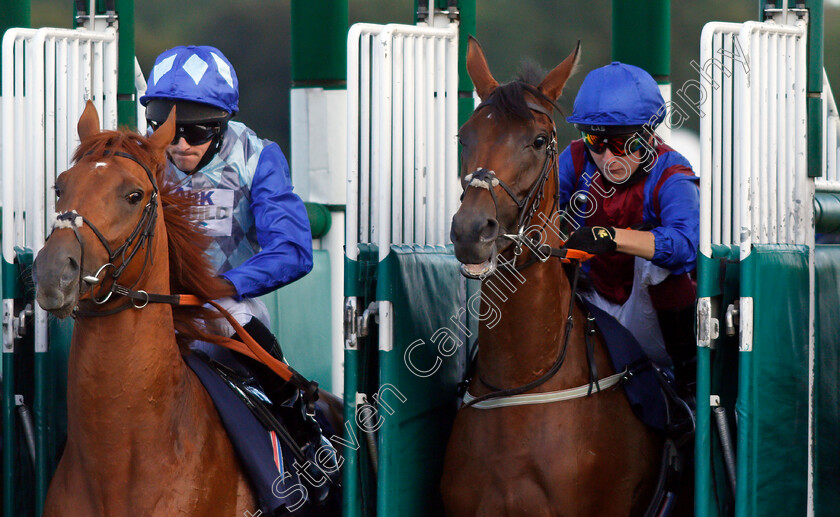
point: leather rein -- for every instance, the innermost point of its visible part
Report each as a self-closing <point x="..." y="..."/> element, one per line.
<point x="484" y="178"/>
<point x="142" y="234"/>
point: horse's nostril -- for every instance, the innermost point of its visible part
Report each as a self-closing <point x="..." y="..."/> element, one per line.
<point x="490" y="230"/>
<point x="69" y="272"/>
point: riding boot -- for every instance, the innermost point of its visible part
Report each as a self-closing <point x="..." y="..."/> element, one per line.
<point x="677" y="327"/>
<point x="276" y="389"/>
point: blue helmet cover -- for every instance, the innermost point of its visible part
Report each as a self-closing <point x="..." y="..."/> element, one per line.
<point x="194" y="73"/>
<point x="618" y="95"/>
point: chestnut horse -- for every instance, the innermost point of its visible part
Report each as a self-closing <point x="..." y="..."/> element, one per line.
<point x="143" y="436"/>
<point x="584" y="457"/>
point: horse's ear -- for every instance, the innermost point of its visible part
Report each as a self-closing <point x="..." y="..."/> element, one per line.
<point x="479" y="71"/>
<point x="89" y="122"/>
<point x="552" y="85"/>
<point x="165" y="133"/>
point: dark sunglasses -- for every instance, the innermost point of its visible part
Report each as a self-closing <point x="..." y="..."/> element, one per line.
<point x="618" y="145"/>
<point x="194" y="134"/>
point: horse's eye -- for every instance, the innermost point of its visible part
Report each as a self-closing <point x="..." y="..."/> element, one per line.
<point x="134" y="197"/>
<point x="57" y="192"/>
<point x="540" y="141"/>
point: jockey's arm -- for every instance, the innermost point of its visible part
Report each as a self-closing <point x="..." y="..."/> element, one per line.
<point x="635" y="242"/>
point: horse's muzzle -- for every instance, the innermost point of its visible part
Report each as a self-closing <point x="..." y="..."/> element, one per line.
<point x="56" y="278"/>
<point x="474" y="236"/>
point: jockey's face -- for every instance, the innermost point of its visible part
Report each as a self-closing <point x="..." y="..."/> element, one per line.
<point x="185" y="156"/>
<point x="618" y="169"/>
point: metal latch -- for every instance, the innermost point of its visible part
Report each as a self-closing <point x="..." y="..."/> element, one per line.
<point x="732" y="317"/>
<point x="364" y="321"/>
<point x="20" y="322"/>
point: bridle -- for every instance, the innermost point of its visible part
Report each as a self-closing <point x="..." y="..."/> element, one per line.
<point x="142" y="233"/>
<point x="484" y="178"/>
<point x="487" y="179"/>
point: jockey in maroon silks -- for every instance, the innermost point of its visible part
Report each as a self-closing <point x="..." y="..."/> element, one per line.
<point x="635" y="203"/>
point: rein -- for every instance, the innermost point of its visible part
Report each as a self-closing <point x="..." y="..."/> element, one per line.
<point x="143" y="232"/>
<point x="557" y="362"/>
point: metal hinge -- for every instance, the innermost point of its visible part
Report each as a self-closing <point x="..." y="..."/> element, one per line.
<point x="8" y="324"/>
<point x="351" y="323"/>
<point x="745" y="344"/>
<point x="708" y="328"/>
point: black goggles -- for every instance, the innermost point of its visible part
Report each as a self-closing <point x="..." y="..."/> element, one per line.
<point x="194" y="134"/>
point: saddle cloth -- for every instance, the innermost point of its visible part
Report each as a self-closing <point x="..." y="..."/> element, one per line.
<point x="642" y="389"/>
<point x="267" y="460"/>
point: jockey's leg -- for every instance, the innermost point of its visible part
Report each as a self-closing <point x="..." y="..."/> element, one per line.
<point x="677" y="327"/>
<point x="276" y="389"/>
<point x="263" y="336"/>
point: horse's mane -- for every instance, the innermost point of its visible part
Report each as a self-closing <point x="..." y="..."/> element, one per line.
<point x="508" y="100"/>
<point x="190" y="271"/>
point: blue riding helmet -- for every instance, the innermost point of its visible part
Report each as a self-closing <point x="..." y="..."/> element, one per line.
<point x="617" y="98"/>
<point x="196" y="74"/>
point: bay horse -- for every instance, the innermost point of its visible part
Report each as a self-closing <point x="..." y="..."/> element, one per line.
<point x="143" y="435"/>
<point x="583" y="457"/>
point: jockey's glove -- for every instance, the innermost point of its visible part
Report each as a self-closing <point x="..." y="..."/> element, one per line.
<point x="593" y="240"/>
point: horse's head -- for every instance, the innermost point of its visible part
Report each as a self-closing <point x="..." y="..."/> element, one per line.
<point x="508" y="151"/>
<point x="107" y="209"/>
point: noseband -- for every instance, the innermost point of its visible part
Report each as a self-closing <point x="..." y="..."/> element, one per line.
<point x="487" y="179"/>
<point x="142" y="233"/>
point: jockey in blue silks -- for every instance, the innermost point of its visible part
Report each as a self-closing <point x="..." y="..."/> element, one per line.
<point x="635" y="202"/>
<point x="262" y="241"/>
<point x="240" y="182"/>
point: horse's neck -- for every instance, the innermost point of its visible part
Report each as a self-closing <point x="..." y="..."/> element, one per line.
<point x="529" y="335"/>
<point x="127" y="351"/>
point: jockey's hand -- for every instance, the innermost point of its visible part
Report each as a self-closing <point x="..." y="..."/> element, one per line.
<point x="593" y="240"/>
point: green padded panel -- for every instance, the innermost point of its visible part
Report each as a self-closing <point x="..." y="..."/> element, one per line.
<point x="425" y="286"/>
<point x="361" y="375"/>
<point x="773" y="398"/>
<point x="725" y="384"/>
<point x="827" y="383"/>
<point x="55" y="391"/>
<point x="718" y="278"/>
<point x="300" y="318"/>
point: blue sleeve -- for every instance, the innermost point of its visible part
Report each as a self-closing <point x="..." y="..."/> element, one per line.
<point x="566" y="177"/>
<point x="678" y="237"/>
<point x="282" y="230"/>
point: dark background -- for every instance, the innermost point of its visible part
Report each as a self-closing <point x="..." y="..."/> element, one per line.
<point x="255" y="36"/>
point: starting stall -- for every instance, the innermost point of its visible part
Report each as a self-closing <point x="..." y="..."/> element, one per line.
<point x="404" y="327"/>
<point x="395" y="334"/>
<point x="767" y="416"/>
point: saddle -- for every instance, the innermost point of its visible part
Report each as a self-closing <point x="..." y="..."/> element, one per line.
<point x="284" y="449"/>
<point x="653" y="396"/>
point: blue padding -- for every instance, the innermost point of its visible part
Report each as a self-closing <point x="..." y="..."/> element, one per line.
<point x="252" y="444"/>
<point x="642" y="390"/>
